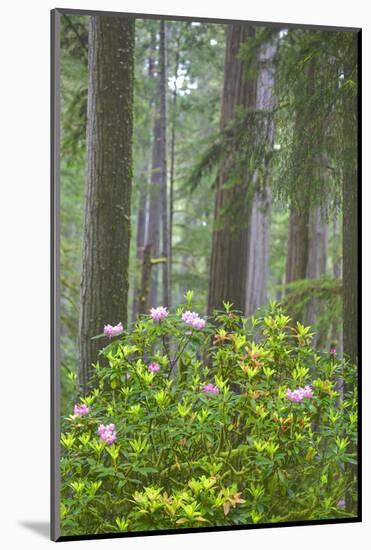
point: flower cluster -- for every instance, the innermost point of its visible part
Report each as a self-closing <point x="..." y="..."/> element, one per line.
<point x="110" y="331"/>
<point x="299" y="394"/>
<point x="193" y="319"/>
<point x="190" y="318"/>
<point x="210" y="388"/>
<point x="81" y="410"/>
<point x="158" y="313"/>
<point x="107" y="433"/>
<point x="154" y="367"/>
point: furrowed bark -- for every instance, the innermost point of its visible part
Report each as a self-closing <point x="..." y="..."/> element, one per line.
<point x="104" y="280"/>
<point x="172" y="163"/>
<point x="154" y="211"/>
<point x="300" y="207"/>
<point x="298" y="242"/>
<point x="144" y="293"/>
<point x="316" y="266"/>
<point x="259" y="231"/>
<point x="163" y="161"/>
<point x="230" y="238"/>
<point x="141" y="237"/>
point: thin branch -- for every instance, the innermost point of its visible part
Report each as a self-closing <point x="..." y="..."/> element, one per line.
<point x="78" y="35"/>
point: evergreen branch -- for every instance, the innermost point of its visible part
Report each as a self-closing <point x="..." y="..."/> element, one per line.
<point x="243" y="140"/>
<point x="76" y="32"/>
<point x="307" y="289"/>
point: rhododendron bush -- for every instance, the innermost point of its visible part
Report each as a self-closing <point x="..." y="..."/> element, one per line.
<point x="193" y="422"/>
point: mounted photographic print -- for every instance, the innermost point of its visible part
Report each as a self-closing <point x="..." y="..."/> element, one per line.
<point x="205" y="273"/>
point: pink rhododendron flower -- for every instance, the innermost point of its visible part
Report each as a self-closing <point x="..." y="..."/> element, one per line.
<point x="294" y="396"/>
<point x="158" y="313"/>
<point x="333" y="350"/>
<point x="110" y="331"/>
<point x="154" y="367"/>
<point x="107" y="433"/>
<point x="307" y="392"/>
<point x="193" y="319"/>
<point x="299" y="394"/>
<point x="81" y="410"/>
<point x="200" y="323"/>
<point x="210" y="388"/>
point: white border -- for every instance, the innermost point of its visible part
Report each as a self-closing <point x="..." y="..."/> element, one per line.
<point x="24" y="233"/>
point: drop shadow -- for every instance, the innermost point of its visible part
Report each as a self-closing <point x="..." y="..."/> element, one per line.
<point x="42" y="528"/>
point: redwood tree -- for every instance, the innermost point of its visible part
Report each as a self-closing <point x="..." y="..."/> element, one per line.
<point x="298" y="241"/>
<point x="350" y="204"/>
<point x="104" y="280"/>
<point x="302" y="200"/>
<point x="141" y="229"/>
<point x="316" y="267"/>
<point x="163" y="161"/>
<point x="260" y="219"/>
<point x="230" y="235"/>
<point x="172" y="157"/>
<point x="154" y="209"/>
<point x="158" y="224"/>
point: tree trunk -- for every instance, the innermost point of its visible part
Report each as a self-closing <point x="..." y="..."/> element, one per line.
<point x="154" y="210"/>
<point x="259" y="232"/>
<point x="258" y="252"/>
<point x="145" y="202"/>
<point x="337" y="331"/>
<point x="298" y="242"/>
<point x="172" y="163"/>
<point x="141" y="237"/>
<point x="163" y="161"/>
<point x="104" y="280"/>
<point x="316" y="266"/>
<point x="144" y="293"/>
<point x="317" y="245"/>
<point x="230" y="236"/>
<point x="350" y="210"/>
<point x="301" y="210"/>
<point x="350" y="228"/>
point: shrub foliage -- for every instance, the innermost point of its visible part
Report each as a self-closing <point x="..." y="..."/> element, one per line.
<point x="206" y="431"/>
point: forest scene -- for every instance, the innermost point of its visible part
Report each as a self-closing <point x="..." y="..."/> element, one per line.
<point x="208" y="274"/>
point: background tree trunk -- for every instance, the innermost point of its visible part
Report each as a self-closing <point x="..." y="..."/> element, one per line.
<point x="141" y="237"/>
<point x="144" y="292"/>
<point x="316" y="266"/>
<point x="260" y="222"/>
<point x="258" y="252"/>
<point x="337" y="270"/>
<point x="172" y="161"/>
<point x="350" y="209"/>
<point x="164" y="199"/>
<point x="300" y="207"/>
<point x="350" y="225"/>
<point x="298" y="242"/>
<point x="104" y="280"/>
<point x="154" y="210"/>
<point x="229" y="240"/>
